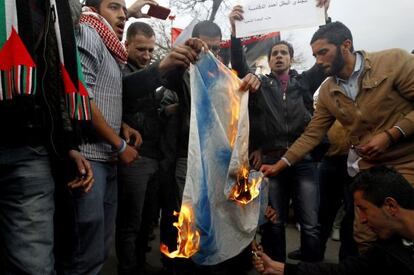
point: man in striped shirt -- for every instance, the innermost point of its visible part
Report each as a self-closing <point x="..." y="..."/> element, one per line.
<point x="102" y="55"/>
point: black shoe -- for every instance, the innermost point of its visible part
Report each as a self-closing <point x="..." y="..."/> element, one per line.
<point x="295" y="255"/>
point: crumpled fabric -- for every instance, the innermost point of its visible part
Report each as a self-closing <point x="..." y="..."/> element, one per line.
<point x="218" y="146"/>
<point x="353" y="163"/>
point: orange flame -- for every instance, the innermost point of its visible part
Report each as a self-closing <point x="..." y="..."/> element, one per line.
<point x="234" y="107"/>
<point x="188" y="240"/>
<point x="245" y="191"/>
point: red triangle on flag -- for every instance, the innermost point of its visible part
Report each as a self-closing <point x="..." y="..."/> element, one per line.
<point x="175" y="32"/>
<point x="69" y="87"/>
<point x="82" y="90"/>
<point x="14" y="53"/>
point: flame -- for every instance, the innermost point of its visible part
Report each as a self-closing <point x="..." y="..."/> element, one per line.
<point x="245" y="191"/>
<point x="234" y="106"/>
<point x="188" y="240"/>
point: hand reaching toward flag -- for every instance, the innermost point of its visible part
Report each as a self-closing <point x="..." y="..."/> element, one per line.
<point x="183" y="55"/>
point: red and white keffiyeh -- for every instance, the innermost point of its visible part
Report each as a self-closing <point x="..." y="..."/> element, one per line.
<point x="105" y="31"/>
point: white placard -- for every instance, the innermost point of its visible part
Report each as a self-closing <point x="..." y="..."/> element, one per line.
<point x="264" y="16"/>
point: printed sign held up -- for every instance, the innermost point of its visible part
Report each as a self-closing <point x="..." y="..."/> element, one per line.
<point x="265" y="16"/>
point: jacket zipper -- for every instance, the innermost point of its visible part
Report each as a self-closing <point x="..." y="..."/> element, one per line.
<point x="286" y="119"/>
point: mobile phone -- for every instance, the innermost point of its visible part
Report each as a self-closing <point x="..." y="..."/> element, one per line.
<point x="158" y="11"/>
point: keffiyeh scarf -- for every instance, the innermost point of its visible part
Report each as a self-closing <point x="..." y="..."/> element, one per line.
<point x="105" y="31"/>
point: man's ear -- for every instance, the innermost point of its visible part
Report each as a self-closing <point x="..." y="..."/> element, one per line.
<point x="347" y="46"/>
<point x="391" y="206"/>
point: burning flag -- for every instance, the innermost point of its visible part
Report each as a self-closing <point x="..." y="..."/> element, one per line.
<point x="225" y="196"/>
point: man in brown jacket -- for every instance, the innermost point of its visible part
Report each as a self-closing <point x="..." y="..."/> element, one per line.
<point x="372" y="96"/>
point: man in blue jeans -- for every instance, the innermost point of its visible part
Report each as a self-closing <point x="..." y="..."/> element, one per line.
<point x="138" y="182"/>
<point x="36" y="125"/>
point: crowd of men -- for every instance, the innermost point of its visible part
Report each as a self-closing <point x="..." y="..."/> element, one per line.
<point x="340" y="132"/>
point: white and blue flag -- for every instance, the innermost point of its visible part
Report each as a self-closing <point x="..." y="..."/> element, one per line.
<point x="218" y="150"/>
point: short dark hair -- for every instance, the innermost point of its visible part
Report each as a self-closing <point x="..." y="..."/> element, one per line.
<point x="92" y="3"/>
<point x="336" y="33"/>
<point x="139" y="28"/>
<point x="207" y="28"/>
<point x="281" y="42"/>
<point x="381" y="182"/>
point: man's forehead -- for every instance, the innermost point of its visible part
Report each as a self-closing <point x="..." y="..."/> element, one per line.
<point x="118" y="2"/>
<point x="280" y="47"/>
<point x="141" y="38"/>
<point x="322" y="43"/>
<point x="360" y="199"/>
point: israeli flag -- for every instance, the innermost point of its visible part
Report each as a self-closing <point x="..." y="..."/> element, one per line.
<point x="218" y="146"/>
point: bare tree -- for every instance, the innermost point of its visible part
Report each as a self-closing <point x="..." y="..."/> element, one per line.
<point x="199" y="7"/>
<point x="299" y="59"/>
<point x="162" y="38"/>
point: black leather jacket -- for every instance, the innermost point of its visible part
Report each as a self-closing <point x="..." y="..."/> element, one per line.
<point x="141" y="113"/>
<point x="277" y="119"/>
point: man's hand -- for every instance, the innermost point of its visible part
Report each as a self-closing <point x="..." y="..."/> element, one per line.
<point x="183" y="55"/>
<point x="256" y="159"/>
<point x="265" y="265"/>
<point x="135" y="9"/>
<point x="197" y="45"/>
<point x="85" y="179"/>
<point x="271" y="214"/>
<point x="235" y="14"/>
<point x="131" y="134"/>
<point x="250" y="83"/>
<point x="129" y="155"/>
<point x="375" y="147"/>
<point x="323" y="3"/>
<point x="273" y="169"/>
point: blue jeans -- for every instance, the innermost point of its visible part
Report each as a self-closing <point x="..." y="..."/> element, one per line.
<point x="90" y="224"/>
<point x="136" y="192"/>
<point x="298" y="182"/>
<point x="26" y="210"/>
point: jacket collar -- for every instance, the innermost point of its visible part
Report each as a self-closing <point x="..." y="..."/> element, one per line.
<point x="292" y="73"/>
<point x="369" y="80"/>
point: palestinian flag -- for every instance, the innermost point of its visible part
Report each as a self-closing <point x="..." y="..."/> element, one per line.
<point x="77" y="97"/>
<point x="17" y="69"/>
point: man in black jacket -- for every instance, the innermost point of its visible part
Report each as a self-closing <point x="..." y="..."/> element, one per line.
<point x="384" y="200"/>
<point x="279" y="113"/>
<point x="138" y="182"/>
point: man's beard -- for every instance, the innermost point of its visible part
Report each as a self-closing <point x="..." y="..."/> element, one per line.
<point x="337" y="64"/>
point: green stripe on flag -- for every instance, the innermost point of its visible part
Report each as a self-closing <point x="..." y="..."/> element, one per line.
<point x="23" y="79"/>
<point x="3" y="25"/>
<point x="34" y="81"/>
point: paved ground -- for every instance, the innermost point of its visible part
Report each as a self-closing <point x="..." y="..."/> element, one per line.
<point x="153" y="257"/>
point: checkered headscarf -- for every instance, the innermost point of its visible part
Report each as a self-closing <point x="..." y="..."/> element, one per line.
<point x="105" y="31"/>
